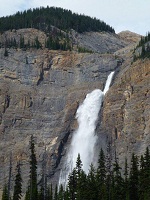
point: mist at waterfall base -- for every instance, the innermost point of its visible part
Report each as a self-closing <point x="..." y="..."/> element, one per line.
<point x="84" y="138"/>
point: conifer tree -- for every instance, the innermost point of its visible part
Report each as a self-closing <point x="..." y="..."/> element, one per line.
<point x="61" y="193"/>
<point x="126" y="180"/>
<point x="33" y="191"/>
<point x="118" y="184"/>
<point x="147" y="174"/>
<point x="66" y="194"/>
<point x="56" y="193"/>
<point x="6" y="52"/>
<point x="92" y="186"/>
<point x="134" y="179"/>
<point x="141" y="179"/>
<point x="22" y="44"/>
<point x="5" y="193"/>
<point x="18" y="184"/>
<point x="101" y="176"/>
<point x="50" y="193"/>
<point x="72" y="184"/>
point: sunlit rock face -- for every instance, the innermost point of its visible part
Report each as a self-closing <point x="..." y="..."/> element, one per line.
<point x="126" y="110"/>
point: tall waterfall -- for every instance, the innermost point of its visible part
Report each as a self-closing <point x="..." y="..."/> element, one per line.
<point x="84" y="138"/>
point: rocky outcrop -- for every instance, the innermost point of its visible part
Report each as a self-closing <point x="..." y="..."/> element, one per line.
<point x="129" y="36"/>
<point x="126" y="110"/>
<point x="100" y="42"/>
<point x="29" y="36"/>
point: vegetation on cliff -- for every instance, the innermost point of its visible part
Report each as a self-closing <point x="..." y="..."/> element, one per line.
<point x="56" y="23"/>
<point x="43" y="18"/>
<point x="104" y="182"/>
<point x="144" y="44"/>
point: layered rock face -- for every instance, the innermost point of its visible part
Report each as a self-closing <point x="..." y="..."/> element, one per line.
<point x="39" y="94"/>
<point x="126" y="110"/>
<point x="40" y="91"/>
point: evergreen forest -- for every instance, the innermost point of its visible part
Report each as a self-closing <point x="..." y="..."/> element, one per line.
<point x="144" y="44"/>
<point x="43" y="18"/>
<point x="104" y="182"/>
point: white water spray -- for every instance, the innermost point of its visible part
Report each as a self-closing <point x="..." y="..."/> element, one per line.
<point x="84" y="138"/>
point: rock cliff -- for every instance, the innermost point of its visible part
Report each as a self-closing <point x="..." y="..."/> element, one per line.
<point x="39" y="94"/>
<point x="40" y="91"/>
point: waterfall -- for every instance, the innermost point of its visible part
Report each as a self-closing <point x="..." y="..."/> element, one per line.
<point x="84" y="138"/>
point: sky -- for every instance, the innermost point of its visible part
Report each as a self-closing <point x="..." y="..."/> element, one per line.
<point x="132" y="15"/>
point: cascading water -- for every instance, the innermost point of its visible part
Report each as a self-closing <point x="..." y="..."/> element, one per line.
<point x="84" y="138"/>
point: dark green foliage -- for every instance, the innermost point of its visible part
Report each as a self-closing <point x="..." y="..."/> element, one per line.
<point x="57" y="42"/>
<point x="37" y="43"/>
<point x="32" y="191"/>
<point x="72" y="185"/>
<point x="84" y="50"/>
<point x="22" y="45"/>
<point x="92" y="186"/>
<point x="98" y="184"/>
<point x="56" y="193"/>
<point x="144" y="44"/>
<point x="6" y="53"/>
<point x="18" y="184"/>
<point x="134" y="179"/>
<point x="118" y="182"/>
<point x="50" y="193"/>
<point x="5" y="193"/>
<point x="61" y="193"/>
<point x="126" y="181"/>
<point x="42" y="18"/>
<point x="101" y="176"/>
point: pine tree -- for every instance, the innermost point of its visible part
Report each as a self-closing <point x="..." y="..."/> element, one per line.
<point x="126" y="180"/>
<point x="56" y="193"/>
<point x="109" y="175"/>
<point x="22" y="44"/>
<point x="43" y="190"/>
<point x="72" y="184"/>
<point x="78" y="175"/>
<point x="61" y="193"/>
<point x="92" y="186"/>
<point x="27" y="195"/>
<point x="18" y="184"/>
<point x="101" y="176"/>
<point x="134" y="179"/>
<point x="141" y="179"/>
<point x="37" y="43"/>
<point x="50" y="193"/>
<point x="118" y="187"/>
<point x="10" y="175"/>
<point x="6" y="53"/>
<point x="147" y="173"/>
<point x="33" y="191"/>
<point x="66" y="194"/>
<point x="5" y="193"/>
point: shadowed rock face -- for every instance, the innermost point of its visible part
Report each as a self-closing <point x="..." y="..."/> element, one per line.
<point x="39" y="94"/>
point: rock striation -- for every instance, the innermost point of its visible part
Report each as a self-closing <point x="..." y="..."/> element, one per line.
<point x="40" y="91"/>
<point x="126" y="110"/>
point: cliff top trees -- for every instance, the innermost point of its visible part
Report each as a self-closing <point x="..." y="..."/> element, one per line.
<point x="42" y="18"/>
